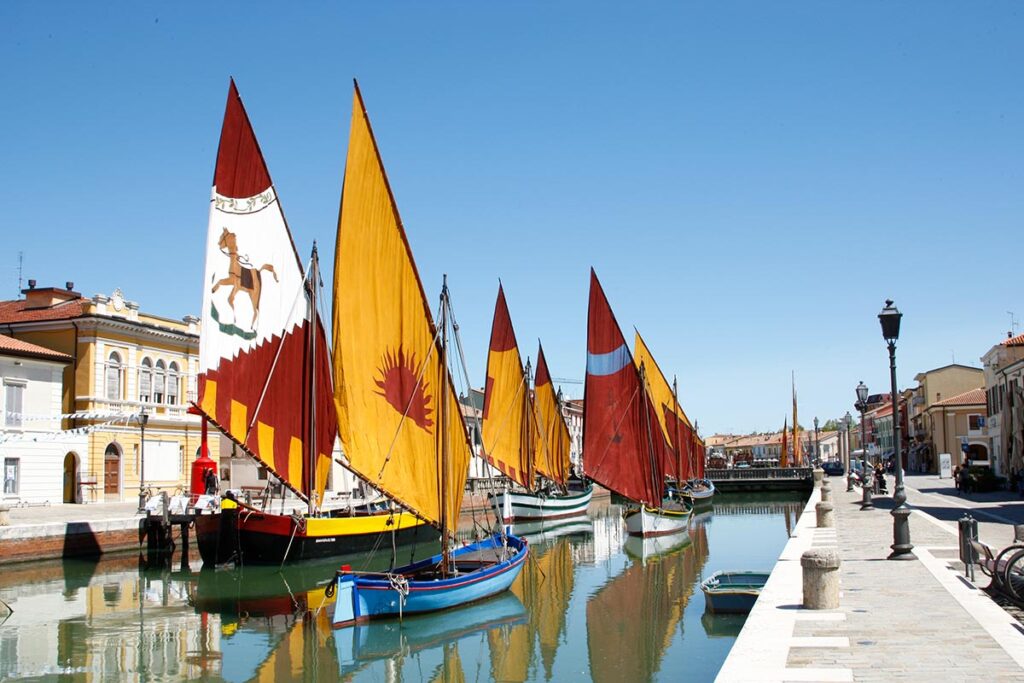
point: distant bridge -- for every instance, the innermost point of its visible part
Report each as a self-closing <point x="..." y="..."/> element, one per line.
<point x="762" y="479"/>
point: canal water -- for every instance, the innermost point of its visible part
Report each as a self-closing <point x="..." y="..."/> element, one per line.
<point x="591" y="604"/>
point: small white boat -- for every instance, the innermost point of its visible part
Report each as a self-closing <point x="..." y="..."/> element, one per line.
<point x="646" y="521"/>
<point x="700" y="492"/>
<point x="522" y="506"/>
<point x="732" y="592"/>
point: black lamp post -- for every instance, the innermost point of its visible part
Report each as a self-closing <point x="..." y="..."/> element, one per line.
<point x="143" y="418"/>
<point x="817" y="443"/>
<point x="865" y="476"/>
<point x="846" y="423"/>
<point x="901" y="546"/>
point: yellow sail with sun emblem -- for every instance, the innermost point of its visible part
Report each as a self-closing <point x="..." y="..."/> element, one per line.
<point x="390" y="384"/>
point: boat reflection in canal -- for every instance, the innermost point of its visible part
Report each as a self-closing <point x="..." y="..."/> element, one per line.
<point x="588" y="605"/>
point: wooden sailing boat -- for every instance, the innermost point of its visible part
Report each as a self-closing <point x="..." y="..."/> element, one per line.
<point x="524" y="433"/>
<point x="624" y="449"/>
<point x="398" y="413"/>
<point x="264" y="380"/>
<point x="682" y="465"/>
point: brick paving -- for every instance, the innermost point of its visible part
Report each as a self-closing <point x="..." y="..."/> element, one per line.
<point x="897" y="621"/>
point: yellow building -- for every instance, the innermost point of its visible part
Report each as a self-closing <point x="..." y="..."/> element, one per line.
<point x="126" y="364"/>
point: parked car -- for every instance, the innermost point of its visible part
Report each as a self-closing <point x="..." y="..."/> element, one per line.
<point x="833" y="468"/>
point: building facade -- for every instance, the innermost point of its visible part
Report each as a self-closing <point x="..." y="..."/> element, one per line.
<point x="38" y="459"/>
<point x="1004" y="404"/>
<point x="928" y="437"/>
<point x="129" y="372"/>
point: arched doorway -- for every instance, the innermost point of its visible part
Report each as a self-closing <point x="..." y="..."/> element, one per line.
<point x="977" y="453"/>
<point x="112" y="472"/>
<point x="72" y="479"/>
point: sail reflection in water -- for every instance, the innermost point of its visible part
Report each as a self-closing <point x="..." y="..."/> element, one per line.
<point x="648" y="600"/>
<point x="590" y="604"/>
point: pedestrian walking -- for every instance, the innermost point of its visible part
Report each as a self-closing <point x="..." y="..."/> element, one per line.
<point x="956" y="478"/>
<point x="964" y="481"/>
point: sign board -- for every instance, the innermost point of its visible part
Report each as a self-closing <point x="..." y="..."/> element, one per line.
<point x="945" y="466"/>
<point x="964" y="447"/>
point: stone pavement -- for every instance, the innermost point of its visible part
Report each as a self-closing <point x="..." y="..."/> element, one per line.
<point x="897" y="621"/>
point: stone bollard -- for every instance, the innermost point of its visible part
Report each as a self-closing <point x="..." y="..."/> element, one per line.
<point x="821" y="578"/>
<point x="819" y="475"/>
<point x="826" y="491"/>
<point x="825" y="516"/>
<point x="5" y="517"/>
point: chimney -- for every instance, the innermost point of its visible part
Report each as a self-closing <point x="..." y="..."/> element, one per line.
<point x="31" y="284"/>
<point x="69" y="285"/>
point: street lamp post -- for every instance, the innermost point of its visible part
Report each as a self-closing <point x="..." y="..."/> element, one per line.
<point x="865" y="483"/>
<point x="817" y="443"/>
<point x="847" y="422"/>
<point x="143" y="418"/>
<point x="901" y="546"/>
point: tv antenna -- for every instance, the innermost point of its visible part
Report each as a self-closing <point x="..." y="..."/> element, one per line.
<point x="21" y="261"/>
<point x="1013" y="323"/>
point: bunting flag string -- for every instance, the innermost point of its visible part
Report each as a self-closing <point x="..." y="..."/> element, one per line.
<point x="43" y="437"/>
<point x="86" y="415"/>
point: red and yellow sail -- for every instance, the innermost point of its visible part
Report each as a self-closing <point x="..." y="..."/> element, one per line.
<point x="507" y="430"/>
<point x="624" y="447"/>
<point x="553" y="446"/>
<point x="261" y="376"/>
<point x="393" y="392"/>
<point x="673" y="421"/>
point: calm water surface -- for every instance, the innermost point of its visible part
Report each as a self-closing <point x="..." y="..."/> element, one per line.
<point x="591" y="604"/>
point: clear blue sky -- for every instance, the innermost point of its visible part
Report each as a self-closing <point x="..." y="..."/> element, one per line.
<point x="751" y="180"/>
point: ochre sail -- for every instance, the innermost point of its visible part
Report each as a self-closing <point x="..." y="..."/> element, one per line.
<point x="554" y="443"/>
<point x="673" y="421"/>
<point x="390" y="383"/>
<point x="506" y="424"/>
<point x="256" y="365"/>
<point x="622" y="444"/>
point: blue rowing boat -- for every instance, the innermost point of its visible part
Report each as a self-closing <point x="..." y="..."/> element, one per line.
<point x="477" y="571"/>
<point x="732" y="592"/>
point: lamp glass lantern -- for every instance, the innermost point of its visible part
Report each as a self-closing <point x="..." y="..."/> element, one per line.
<point x="890" y="319"/>
<point x="862" y="393"/>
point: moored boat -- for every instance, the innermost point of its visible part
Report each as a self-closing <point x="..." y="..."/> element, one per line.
<point x="264" y="377"/>
<point x="732" y="592"/>
<point x="524" y="432"/>
<point x="397" y="408"/>
<point x="522" y="506"/>
<point x="624" y="448"/>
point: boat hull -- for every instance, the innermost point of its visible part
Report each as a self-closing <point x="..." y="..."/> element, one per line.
<point x="521" y="507"/>
<point x="732" y="592"/>
<point x="251" y="537"/>
<point x="700" y="497"/>
<point x="364" y="597"/>
<point x="646" y="522"/>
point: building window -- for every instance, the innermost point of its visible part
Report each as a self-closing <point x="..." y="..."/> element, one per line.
<point x="114" y="370"/>
<point x="159" y="382"/>
<point x="11" y="467"/>
<point x="975" y="422"/>
<point x="14" y="403"/>
<point x="146" y="381"/>
<point x="173" y="378"/>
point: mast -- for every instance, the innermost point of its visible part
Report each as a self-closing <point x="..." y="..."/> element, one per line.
<point x="659" y="487"/>
<point x="310" y="485"/>
<point x="679" y="444"/>
<point x="443" y="431"/>
<point x="526" y="441"/>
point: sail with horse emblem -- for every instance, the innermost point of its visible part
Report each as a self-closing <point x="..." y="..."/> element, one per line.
<point x="264" y="377"/>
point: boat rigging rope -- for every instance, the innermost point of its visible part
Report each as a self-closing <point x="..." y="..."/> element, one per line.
<point x="399" y="584"/>
<point x="297" y="522"/>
